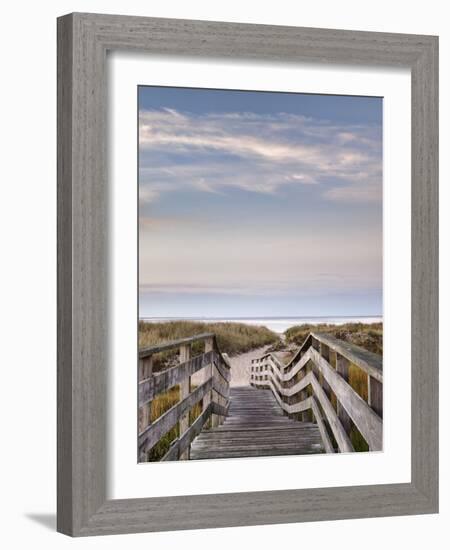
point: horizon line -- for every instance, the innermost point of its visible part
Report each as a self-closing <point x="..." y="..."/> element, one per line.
<point x="197" y="317"/>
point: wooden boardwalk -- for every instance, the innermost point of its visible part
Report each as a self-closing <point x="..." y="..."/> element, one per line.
<point x="256" y="426"/>
<point x="327" y="392"/>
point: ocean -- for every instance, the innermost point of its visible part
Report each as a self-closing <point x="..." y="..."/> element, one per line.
<point x="276" y="324"/>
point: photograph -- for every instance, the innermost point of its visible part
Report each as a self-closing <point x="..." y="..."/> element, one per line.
<point x="260" y="273"/>
<point x="225" y="231"/>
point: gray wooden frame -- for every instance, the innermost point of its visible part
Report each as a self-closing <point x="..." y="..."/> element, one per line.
<point x="83" y="41"/>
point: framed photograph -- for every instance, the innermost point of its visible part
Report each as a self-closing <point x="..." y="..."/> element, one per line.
<point x="247" y="274"/>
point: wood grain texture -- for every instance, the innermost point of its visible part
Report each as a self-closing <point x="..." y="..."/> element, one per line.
<point x="82" y="274"/>
<point x="183" y="442"/>
<point x="83" y="242"/>
<point x="339" y="434"/>
<point x="153" y="433"/>
<point x="364" y="359"/>
<point x="367" y="361"/>
<point x="366" y="420"/>
<point x="425" y="272"/>
<point x="256" y="426"/>
<point x="65" y="481"/>
<point x="162" y="381"/>
<point x="327" y="444"/>
<point x="175" y="344"/>
<point x="368" y="423"/>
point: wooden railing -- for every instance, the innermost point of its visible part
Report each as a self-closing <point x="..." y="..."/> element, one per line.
<point x="334" y="383"/>
<point x="211" y="371"/>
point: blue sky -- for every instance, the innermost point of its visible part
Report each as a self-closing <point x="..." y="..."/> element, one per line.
<point x="259" y="204"/>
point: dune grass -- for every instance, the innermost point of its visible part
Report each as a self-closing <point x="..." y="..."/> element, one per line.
<point x="367" y="335"/>
<point x="232" y="338"/>
<point x="161" y="404"/>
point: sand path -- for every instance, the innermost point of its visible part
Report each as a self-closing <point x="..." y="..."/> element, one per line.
<point x="240" y="366"/>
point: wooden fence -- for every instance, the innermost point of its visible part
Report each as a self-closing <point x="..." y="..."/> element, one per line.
<point x="334" y="383"/>
<point x="211" y="371"/>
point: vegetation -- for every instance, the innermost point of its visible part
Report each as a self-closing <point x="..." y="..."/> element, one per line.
<point x="232" y="338"/>
<point x="279" y="345"/>
<point x="368" y="336"/>
<point x="161" y="404"/>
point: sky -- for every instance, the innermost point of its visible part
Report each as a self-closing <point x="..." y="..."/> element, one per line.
<point x="259" y="204"/>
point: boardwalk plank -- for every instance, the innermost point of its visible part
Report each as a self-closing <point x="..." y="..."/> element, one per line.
<point x="256" y="426"/>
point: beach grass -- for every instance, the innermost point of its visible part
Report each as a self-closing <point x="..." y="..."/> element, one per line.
<point x="232" y="338"/>
<point x="161" y="404"/>
<point x="366" y="335"/>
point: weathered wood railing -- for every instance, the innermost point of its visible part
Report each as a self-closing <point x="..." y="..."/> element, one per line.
<point x="210" y="370"/>
<point x="318" y="384"/>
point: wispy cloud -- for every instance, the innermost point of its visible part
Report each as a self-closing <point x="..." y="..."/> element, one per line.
<point x="164" y="222"/>
<point x="275" y="288"/>
<point x="257" y="153"/>
<point x="353" y="193"/>
<point x="254" y="261"/>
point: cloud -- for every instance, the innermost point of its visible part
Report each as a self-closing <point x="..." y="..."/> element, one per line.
<point x="355" y="193"/>
<point x="257" y="153"/>
<point x="148" y="193"/>
<point x="166" y="222"/>
<point x="303" y="178"/>
<point x="211" y="260"/>
<point x="276" y="288"/>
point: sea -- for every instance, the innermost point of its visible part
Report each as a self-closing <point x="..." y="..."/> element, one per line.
<point x="276" y="324"/>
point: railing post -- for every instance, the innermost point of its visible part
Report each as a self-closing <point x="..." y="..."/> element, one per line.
<point x="185" y="389"/>
<point x="342" y="366"/>
<point x="225" y="400"/>
<point x="209" y="372"/>
<point x="324" y="351"/>
<point x="333" y="358"/>
<point x="145" y="371"/>
<point x="375" y="395"/>
<point x="315" y="343"/>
